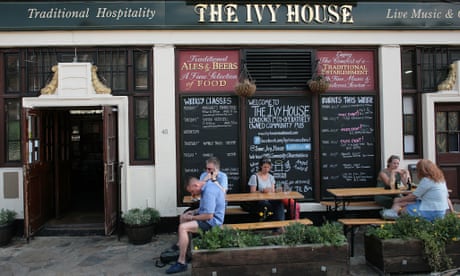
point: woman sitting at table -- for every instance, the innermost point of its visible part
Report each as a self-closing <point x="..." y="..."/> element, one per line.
<point x="431" y="198"/>
<point x="264" y="182"/>
<point x="390" y="178"/>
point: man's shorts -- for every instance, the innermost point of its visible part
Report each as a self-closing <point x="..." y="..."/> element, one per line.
<point x="203" y="225"/>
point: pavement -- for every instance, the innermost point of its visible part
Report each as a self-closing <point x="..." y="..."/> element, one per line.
<point x="106" y="255"/>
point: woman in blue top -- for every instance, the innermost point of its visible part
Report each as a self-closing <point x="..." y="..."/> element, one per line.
<point x="430" y="199"/>
<point x="264" y="182"/>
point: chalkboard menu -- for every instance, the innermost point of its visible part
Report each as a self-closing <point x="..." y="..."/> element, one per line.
<point x="280" y="128"/>
<point x="210" y="127"/>
<point x="347" y="142"/>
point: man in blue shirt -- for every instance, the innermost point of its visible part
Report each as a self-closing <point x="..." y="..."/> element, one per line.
<point x="210" y="213"/>
<point x="213" y="172"/>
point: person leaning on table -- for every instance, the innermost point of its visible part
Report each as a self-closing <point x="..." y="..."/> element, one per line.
<point x="389" y="178"/>
<point x="211" y="213"/>
<point x="429" y="200"/>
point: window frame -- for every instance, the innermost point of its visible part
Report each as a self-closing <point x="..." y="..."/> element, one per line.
<point x="35" y="63"/>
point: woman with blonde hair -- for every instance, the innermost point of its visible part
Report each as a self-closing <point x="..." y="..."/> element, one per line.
<point x="431" y="198"/>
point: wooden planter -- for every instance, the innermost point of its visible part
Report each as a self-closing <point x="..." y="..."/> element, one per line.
<point x="311" y="259"/>
<point x="402" y="256"/>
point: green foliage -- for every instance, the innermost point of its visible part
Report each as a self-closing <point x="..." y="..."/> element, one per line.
<point x="434" y="236"/>
<point x="7" y="216"/>
<point x="138" y="216"/>
<point x="226" y="238"/>
<point x="295" y="234"/>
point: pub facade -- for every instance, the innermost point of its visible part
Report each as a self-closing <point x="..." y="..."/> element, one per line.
<point x="112" y="105"/>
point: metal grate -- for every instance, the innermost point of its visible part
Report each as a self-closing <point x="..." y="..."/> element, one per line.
<point x="279" y="69"/>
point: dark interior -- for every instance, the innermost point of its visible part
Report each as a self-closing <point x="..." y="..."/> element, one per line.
<point x="85" y="212"/>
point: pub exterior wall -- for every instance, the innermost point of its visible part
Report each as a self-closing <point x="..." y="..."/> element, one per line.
<point x="156" y="185"/>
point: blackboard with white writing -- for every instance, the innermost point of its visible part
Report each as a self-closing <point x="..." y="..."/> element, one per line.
<point x="347" y="142"/>
<point x="210" y="127"/>
<point x="280" y="128"/>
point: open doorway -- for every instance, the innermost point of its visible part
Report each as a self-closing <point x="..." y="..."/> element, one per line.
<point x="71" y="185"/>
<point x="84" y="211"/>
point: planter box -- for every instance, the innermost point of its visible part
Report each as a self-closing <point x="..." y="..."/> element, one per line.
<point x="311" y="259"/>
<point x="402" y="256"/>
<point x="140" y="234"/>
<point x="6" y="233"/>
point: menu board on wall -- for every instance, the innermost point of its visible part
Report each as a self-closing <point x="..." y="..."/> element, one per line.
<point x="208" y="71"/>
<point x="210" y="127"/>
<point x="347" y="142"/>
<point x="347" y="70"/>
<point x="280" y="128"/>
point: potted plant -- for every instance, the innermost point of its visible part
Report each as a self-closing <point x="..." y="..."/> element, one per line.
<point x="301" y="248"/>
<point x="318" y="84"/>
<point x="413" y="244"/>
<point x="140" y="224"/>
<point x="7" y="218"/>
<point x="246" y="86"/>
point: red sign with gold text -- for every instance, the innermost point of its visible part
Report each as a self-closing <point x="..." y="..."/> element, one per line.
<point x="347" y="70"/>
<point x="205" y="71"/>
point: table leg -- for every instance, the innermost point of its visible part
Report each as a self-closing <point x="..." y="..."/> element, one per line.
<point x="350" y="229"/>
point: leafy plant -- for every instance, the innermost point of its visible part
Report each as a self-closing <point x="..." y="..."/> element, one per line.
<point x="295" y="234"/>
<point x="7" y="216"/>
<point x="434" y="236"/>
<point x="226" y="238"/>
<point x="137" y="216"/>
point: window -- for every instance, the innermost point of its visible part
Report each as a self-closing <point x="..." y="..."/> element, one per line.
<point x="127" y="71"/>
<point x="13" y="130"/>
<point x="142" y="128"/>
<point x="447" y="131"/>
<point x="422" y="69"/>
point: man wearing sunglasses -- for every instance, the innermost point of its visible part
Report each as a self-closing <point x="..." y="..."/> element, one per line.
<point x="213" y="173"/>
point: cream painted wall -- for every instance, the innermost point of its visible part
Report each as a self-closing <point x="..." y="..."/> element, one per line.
<point x="13" y="203"/>
<point x="165" y="130"/>
<point x="390" y="102"/>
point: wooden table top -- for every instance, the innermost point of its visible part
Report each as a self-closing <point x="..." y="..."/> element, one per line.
<point x="239" y="197"/>
<point x="367" y="191"/>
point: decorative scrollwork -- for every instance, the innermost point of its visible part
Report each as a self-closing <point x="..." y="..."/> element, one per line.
<point x="99" y="87"/>
<point x="449" y="82"/>
<point x="51" y="87"/>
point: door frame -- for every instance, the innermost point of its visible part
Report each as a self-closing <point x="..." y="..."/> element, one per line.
<point x="118" y="102"/>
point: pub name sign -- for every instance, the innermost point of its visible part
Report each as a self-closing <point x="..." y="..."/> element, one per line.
<point x="170" y="15"/>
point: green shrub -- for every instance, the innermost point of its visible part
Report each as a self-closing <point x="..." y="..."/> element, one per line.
<point x="434" y="236"/>
<point x="7" y="216"/>
<point x="294" y="234"/>
<point x="139" y="216"/>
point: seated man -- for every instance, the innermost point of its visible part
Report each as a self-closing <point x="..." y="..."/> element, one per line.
<point x="210" y="213"/>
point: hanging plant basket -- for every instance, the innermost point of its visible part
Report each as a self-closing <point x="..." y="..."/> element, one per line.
<point x="246" y="87"/>
<point x="318" y="85"/>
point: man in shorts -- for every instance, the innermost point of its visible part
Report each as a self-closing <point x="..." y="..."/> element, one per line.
<point x="210" y="213"/>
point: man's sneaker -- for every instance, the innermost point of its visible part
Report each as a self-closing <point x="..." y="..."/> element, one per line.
<point x="176" y="268"/>
<point x="389" y="214"/>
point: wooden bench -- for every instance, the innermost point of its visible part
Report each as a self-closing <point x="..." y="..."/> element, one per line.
<point x="349" y="225"/>
<point x="266" y="224"/>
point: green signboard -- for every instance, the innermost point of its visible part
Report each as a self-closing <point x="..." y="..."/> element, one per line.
<point x="244" y="15"/>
